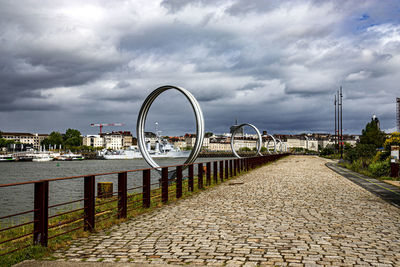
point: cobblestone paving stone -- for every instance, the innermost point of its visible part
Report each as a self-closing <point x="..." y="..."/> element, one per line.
<point x="294" y="212"/>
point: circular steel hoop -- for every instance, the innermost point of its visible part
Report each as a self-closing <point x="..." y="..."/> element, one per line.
<point x="273" y="138"/>
<point x="141" y="121"/>
<point x="259" y="140"/>
<point x="280" y="145"/>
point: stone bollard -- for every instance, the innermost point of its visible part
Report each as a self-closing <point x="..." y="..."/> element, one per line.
<point x="104" y="189"/>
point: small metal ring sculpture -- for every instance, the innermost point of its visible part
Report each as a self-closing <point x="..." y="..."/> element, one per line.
<point x="273" y="138"/>
<point x="306" y="137"/>
<point x="259" y="140"/>
<point x="142" y="120"/>
<point x="280" y="145"/>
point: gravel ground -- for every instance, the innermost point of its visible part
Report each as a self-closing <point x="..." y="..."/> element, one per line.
<point x="294" y="212"/>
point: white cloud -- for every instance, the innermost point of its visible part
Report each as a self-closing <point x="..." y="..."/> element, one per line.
<point x="358" y="76"/>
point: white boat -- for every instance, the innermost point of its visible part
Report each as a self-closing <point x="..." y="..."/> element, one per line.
<point x="163" y="149"/>
<point x="69" y="156"/>
<point x="42" y="157"/>
<point x="7" y="158"/>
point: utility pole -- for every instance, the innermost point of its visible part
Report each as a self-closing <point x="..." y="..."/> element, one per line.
<point x="341" y="122"/>
<point x="338" y="122"/>
<point x="334" y="135"/>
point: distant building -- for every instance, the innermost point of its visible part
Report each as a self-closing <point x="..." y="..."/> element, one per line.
<point x="219" y="146"/>
<point x="113" y="140"/>
<point x="127" y="139"/>
<point x="93" y="141"/>
<point x="33" y="140"/>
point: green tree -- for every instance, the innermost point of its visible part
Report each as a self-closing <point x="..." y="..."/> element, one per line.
<point x="363" y="152"/>
<point x="372" y="135"/>
<point x="72" y="137"/>
<point x="55" y="138"/>
<point x="328" y="150"/>
<point x="4" y="142"/>
<point x="208" y="134"/>
<point x="73" y="141"/>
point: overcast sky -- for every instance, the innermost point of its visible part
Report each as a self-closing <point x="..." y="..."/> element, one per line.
<point x="275" y="64"/>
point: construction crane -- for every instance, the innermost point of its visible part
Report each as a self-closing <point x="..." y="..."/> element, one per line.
<point x="100" y="125"/>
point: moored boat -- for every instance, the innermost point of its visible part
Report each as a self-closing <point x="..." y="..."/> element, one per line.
<point x="42" y="158"/>
<point x="69" y="157"/>
<point x="7" y="158"/>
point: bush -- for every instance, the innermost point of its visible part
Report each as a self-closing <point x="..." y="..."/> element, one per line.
<point x="328" y="150"/>
<point x="364" y="152"/>
<point x="356" y="165"/>
<point x="380" y="168"/>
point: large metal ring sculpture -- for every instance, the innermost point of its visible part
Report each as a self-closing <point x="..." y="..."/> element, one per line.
<point x="141" y="121"/>
<point x="273" y="138"/>
<point x="280" y="145"/>
<point x="259" y="140"/>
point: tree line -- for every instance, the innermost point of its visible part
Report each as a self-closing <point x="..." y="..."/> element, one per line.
<point x="70" y="139"/>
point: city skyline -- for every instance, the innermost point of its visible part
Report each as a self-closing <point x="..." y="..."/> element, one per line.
<point x="276" y="65"/>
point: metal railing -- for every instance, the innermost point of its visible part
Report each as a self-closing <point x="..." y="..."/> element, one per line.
<point x="90" y="213"/>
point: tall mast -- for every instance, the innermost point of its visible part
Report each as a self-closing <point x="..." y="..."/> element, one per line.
<point x="338" y="122"/>
<point x="334" y="135"/>
<point x="341" y="123"/>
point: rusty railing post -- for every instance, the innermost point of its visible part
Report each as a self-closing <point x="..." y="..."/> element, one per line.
<point x="208" y="173"/>
<point x="226" y="169"/>
<point x="190" y="182"/>
<point x="146" y="189"/>
<point x="221" y="170"/>
<point x="122" y="195"/>
<point x="215" y="165"/>
<point x="41" y="213"/>
<point x="89" y="203"/>
<point x="200" y="174"/>
<point x="178" y="181"/>
<point x="164" y="184"/>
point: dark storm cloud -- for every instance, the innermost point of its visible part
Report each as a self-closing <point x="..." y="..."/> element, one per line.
<point x="272" y="63"/>
<point x="36" y="56"/>
<point x="27" y="105"/>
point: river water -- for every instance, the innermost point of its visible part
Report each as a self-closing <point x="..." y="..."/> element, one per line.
<point x="17" y="199"/>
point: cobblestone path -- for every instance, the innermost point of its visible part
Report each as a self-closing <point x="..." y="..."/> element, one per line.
<point x="294" y="212"/>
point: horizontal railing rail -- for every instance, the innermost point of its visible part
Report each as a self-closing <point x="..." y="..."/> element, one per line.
<point x="93" y="209"/>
